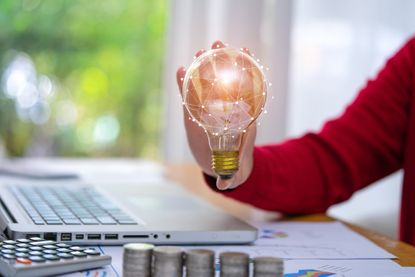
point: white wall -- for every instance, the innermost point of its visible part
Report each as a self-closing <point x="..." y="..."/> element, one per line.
<point x="336" y="46"/>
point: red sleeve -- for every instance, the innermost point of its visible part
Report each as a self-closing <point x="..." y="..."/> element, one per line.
<point x="365" y="144"/>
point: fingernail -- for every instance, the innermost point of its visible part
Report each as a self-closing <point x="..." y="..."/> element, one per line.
<point x="223" y="184"/>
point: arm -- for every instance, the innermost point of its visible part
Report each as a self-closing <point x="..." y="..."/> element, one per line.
<point x="365" y="144"/>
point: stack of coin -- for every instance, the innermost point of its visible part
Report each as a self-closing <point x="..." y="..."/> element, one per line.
<point x="268" y="267"/>
<point x="200" y="263"/>
<point x="234" y="264"/>
<point x="167" y="261"/>
<point x="137" y="260"/>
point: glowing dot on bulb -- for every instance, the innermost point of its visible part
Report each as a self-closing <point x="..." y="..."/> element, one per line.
<point x="235" y="63"/>
<point x="239" y="128"/>
<point x="243" y="68"/>
<point x="193" y="120"/>
<point x="190" y="118"/>
<point x="214" y="55"/>
<point x="183" y="103"/>
<point x="262" y="109"/>
<point x="203" y="106"/>
<point x="191" y="77"/>
<point x="265" y="111"/>
<point x="242" y="49"/>
<point x="257" y="60"/>
<point x="233" y="136"/>
<point x="252" y="54"/>
<point x="217" y="45"/>
<point x="241" y="98"/>
<point x="187" y="90"/>
<point x="181" y="79"/>
<point x="252" y="118"/>
<point x="213" y="84"/>
<point x="200" y="125"/>
<point x="270" y="84"/>
<point x="194" y="57"/>
<point x="259" y="124"/>
<point x="244" y="131"/>
<point x="210" y="114"/>
<point x="262" y="67"/>
<point x="263" y="93"/>
<point x="237" y="102"/>
<point x="226" y="128"/>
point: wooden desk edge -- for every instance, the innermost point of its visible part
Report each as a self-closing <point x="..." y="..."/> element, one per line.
<point x="189" y="176"/>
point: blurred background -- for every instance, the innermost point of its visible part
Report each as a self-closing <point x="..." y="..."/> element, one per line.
<point x="97" y="78"/>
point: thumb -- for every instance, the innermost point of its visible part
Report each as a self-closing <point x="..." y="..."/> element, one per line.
<point x="222" y="184"/>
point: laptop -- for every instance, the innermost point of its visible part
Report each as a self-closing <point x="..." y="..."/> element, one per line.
<point x="75" y="212"/>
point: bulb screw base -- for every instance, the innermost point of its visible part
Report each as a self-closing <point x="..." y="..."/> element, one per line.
<point x="225" y="163"/>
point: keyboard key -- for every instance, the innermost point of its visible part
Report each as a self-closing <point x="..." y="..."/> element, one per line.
<point x="63" y="250"/>
<point x="36" y="239"/>
<point x="54" y="222"/>
<point x="127" y="222"/>
<point x="50" y="246"/>
<point x="72" y="221"/>
<point x="35" y="253"/>
<point x="7" y="251"/>
<point x="62" y="245"/>
<point x="106" y="220"/>
<point x="22" y="245"/>
<point x="23" y="250"/>
<point x="35" y="248"/>
<point x="89" y="221"/>
<point x="8" y="246"/>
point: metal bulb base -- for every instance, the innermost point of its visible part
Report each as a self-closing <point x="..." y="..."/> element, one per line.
<point x="225" y="163"/>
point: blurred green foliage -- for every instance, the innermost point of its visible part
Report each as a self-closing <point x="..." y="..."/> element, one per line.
<point x="105" y="61"/>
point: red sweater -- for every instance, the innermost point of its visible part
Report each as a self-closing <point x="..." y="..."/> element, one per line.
<point x="373" y="138"/>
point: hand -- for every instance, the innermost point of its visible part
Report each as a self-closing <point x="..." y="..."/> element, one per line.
<point x="199" y="144"/>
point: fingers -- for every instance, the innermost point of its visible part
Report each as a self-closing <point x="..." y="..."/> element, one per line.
<point x="224" y="184"/>
<point x="181" y="72"/>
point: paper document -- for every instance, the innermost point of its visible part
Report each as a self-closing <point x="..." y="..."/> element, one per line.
<point x="298" y="240"/>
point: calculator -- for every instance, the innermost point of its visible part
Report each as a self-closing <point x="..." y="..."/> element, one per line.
<point x="40" y="257"/>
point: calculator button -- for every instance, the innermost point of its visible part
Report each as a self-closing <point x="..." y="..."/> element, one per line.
<point x="49" y="251"/>
<point x="22" y="245"/>
<point x="36" y="239"/>
<point x="51" y="257"/>
<point x="8" y="246"/>
<point x="92" y="252"/>
<point x="63" y="250"/>
<point x="37" y="259"/>
<point x="23" y="240"/>
<point x="10" y="242"/>
<point x="36" y="248"/>
<point x="7" y="251"/>
<point x="42" y="242"/>
<point x="22" y="255"/>
<point x="76" y="248"/>
<point x="23" y="260"/>
<point x="62" y="245"/>
<point x="50" y="246"/>
<point x="65" y="255"/>
<point x="24" y="250"/>
<point x="78" y="254"/>
<point x="35" y="253"/>
<point x="9" y="256"/>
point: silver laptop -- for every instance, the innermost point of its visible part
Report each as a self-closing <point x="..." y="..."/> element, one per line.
<point x="78" y="213"/>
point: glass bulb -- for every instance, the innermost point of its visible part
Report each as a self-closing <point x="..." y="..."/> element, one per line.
<point x="224" y="91"/>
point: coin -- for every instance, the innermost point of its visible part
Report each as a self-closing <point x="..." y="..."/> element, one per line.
<point x="234" y="264"/>
<point x="167" y="261"/>
<point x="137" y="260"/>
<point x="200" y="263"/>
<point x="268" y="266"/>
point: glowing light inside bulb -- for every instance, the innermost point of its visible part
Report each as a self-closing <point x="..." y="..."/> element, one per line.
<point x="224" y="90"/>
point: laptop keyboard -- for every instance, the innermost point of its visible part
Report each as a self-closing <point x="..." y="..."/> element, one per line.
<point x="69" y="206"/>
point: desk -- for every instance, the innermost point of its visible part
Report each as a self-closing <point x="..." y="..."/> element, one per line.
<point x="190" y="177"/>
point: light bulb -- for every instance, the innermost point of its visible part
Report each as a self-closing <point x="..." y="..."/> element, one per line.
<point x="224" y="91"/>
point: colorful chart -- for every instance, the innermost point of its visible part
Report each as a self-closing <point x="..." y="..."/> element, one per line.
<point x="309" y="273"/>
<point x="270" y="234"/>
